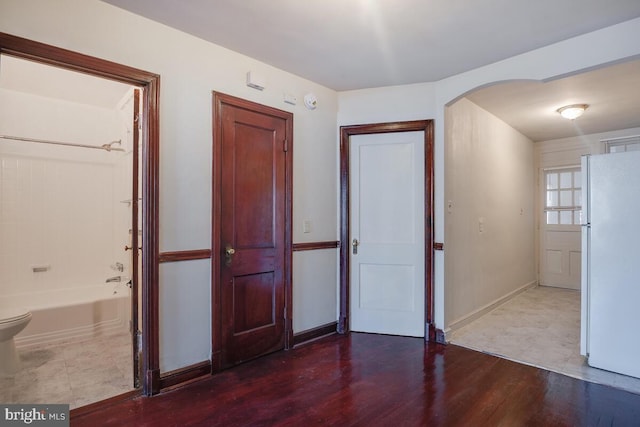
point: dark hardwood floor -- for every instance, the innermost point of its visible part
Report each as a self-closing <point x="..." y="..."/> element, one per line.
<point x="378" y="380"/>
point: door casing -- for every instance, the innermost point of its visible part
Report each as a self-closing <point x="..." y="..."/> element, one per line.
<point x="219" y="100"/>
<point x="150" y="82"/>
<point x="345" y="133"/>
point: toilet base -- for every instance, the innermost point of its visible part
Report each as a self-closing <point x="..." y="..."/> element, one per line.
<point x="9" y="359"/>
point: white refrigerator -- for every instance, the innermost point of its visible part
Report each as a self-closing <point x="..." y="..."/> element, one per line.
<point x="610" y="325"/>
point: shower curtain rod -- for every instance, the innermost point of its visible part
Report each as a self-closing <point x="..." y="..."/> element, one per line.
<point x="106" y="147"/>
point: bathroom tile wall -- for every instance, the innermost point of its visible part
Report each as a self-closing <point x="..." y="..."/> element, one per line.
<point x="57" y="214"/>
<point x="59" y="206"/>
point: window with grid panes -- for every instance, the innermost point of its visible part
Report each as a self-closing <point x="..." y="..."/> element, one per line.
<point x="563" y="196"/>
<point x="631" y="143"/>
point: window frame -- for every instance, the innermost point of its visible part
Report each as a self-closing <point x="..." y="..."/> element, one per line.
<point x="574" y="187"/>
<point x="622" y="144"/>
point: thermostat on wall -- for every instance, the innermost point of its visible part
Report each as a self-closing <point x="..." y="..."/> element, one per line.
<point x="310" y="101"/>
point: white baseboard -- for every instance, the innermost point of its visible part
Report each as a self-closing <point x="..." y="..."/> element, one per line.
<point x="80" y="333"/>
<point x="476" y="314"/>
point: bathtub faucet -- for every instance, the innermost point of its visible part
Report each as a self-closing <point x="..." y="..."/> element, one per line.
<point x="114" y="279"/>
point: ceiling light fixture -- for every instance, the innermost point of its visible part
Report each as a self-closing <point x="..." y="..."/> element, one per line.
<point x="573" y="111"/>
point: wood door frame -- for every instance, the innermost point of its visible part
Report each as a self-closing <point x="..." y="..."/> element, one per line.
<point x="150" y="82"/>
<point x="346" y="132"/>
<point x="220" y="99"/>
<point x="135" y="255"/>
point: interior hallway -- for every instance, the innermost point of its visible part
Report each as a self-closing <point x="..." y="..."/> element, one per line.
<point x="377" y="380"/>
<point x="539" y="327"/>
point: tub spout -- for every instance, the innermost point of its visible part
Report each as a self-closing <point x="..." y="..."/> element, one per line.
<point x="114" y="279"/>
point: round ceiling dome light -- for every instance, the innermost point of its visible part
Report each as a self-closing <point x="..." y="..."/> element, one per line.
<point x="572" y="112"/>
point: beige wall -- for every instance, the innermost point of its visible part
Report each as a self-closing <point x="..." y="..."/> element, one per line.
<point x="489" y="218"/>
<point x="429" y="100"/>
<point x="190" y="70"/>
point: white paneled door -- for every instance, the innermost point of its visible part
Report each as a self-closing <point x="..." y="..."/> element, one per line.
<point x="387" y="233"/>
<point x="560" y="253"/>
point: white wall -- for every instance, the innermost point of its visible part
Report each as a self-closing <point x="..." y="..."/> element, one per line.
<point x="123" y="188"/>
<point x="567" y="151"/>
<point x="324" y="297"/>
<point x="57" y="204"/>
<point x="387" y="104"/>
<point x="190" y="69"/>
<point x="429" y="100"/>
<point x="489" y="224"/>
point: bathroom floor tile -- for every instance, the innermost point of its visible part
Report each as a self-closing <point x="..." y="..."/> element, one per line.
<point x="45" y="373"/>
<point x="93" y="375"/>
<point x="77" y="373"/>
<point x="6" y="388"/>
<point x="89" y="393"/>
<point x="37" y="356"/>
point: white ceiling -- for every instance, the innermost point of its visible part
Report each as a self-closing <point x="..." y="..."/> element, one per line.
<point x="350" y="44"/>
<point x="612" y="93"/>
<point x="354" y="44"/>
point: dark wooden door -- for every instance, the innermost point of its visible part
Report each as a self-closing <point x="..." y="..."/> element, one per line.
<point x="252" y="250"/>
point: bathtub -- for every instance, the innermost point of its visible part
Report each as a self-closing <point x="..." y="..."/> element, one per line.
<point x="73" y="314"/>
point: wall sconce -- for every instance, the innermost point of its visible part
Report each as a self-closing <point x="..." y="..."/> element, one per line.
<point x="572" y="112"/>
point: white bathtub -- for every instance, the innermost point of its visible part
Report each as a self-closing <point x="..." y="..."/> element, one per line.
<point x="73" y="314"/>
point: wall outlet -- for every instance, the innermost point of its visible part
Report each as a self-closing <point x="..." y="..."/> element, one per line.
<point x="306" y="226"/>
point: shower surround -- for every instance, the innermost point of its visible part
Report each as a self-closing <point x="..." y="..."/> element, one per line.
<point x="64" y="216"/>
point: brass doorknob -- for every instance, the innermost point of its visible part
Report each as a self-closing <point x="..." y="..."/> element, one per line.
<point x="228" y="255"/>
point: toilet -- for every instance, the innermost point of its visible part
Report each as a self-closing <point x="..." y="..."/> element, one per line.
<point x="12" y="321"/>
